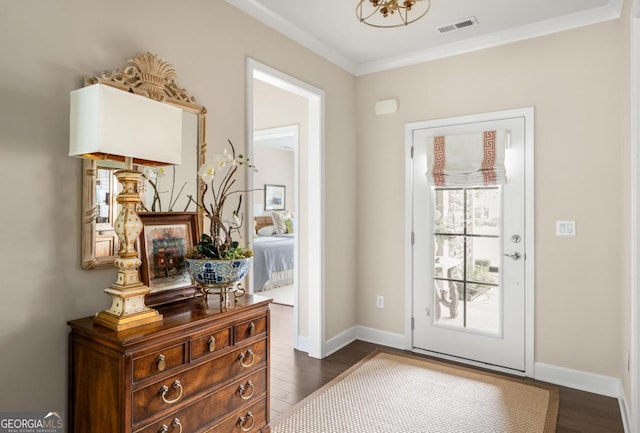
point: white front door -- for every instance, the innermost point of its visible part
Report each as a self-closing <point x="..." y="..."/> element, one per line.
<point x="469" y="291"/>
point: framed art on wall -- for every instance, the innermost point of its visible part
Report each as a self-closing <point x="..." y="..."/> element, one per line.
<point x="164" y="241"/>
<point x="274" y="197"/>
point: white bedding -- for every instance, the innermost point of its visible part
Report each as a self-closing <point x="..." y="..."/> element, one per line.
<point x="273" y="261"/>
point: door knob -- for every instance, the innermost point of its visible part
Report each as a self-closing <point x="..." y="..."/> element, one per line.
<point x="514" y="256"/>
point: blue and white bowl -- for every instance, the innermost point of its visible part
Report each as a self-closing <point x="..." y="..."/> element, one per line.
<point x="217" y="272"/>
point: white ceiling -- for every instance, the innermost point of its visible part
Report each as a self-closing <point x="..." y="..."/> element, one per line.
<point x="281" y="138"/>
<point x="331" y="29"/>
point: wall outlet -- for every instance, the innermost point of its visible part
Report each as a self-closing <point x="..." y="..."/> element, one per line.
<point x="380" y="302"/>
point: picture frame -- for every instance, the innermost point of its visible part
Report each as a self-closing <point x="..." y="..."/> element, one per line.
<point x="274" y="197"/>
<point x="165" y="239"/>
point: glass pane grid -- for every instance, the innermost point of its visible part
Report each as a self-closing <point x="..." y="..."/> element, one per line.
<point x="466" y="269"/>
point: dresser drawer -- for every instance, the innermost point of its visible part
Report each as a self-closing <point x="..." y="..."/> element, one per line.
<point x="210" y="342"/>
<point x="214" y="406"/>
<point x="250" y="328"/>
<point x="187" y="385"/>
<point x="250" y="420"/>
<point x="158" y="361"/>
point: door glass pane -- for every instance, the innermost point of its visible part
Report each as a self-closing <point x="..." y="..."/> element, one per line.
<point x="484" y="205"/>
<point x="482" y="260"/>
<point x="483" y="308"/>
<point x="467" y="258"/>
<point x="449" y="211"/>
<point x="449" y="310"/>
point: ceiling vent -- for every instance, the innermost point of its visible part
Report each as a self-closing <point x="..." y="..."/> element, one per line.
<point x="467" y="22"/>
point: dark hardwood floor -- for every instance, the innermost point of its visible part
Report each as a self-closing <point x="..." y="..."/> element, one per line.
<point x="294" y="376"/>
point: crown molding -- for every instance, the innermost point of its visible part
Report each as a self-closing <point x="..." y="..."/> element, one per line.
<point x="555" y="25"/>
<point x="276" y="22"/>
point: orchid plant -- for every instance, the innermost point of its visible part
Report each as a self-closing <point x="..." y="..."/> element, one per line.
<point x="152" y="176"/>
<point x="219" y="177"/>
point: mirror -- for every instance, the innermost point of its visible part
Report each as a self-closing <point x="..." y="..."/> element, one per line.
<point x="153" y="77"/>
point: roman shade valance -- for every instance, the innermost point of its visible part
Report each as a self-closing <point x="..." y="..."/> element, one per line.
<point x="467" y="160"/>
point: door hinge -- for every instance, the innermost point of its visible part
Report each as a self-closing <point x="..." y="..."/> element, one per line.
<point x="411" y="152"/>
<point x="413" y="323"/>
<point x="413" y="238"/>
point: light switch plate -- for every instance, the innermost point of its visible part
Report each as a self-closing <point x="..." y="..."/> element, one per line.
<point x="565" y="228"/>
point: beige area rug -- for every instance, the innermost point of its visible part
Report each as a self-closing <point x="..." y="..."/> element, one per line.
<point x="388" y="392"/>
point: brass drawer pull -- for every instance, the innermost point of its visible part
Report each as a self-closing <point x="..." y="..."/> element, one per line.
<point x="165" y="389"/>
<point x="252" y="328"/>
<point x="242" y="421"/>
<point x="161" y="363"/>
<point x="243" y="388"/>
<point x="242" y="356"/>
<point x="212" y="343"/>
<point x="174" y="424"/>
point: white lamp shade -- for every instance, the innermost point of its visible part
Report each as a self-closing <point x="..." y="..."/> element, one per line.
<point x="109" y="123"/>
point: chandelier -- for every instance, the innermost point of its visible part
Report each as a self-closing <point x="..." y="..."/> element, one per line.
<point x="391" y="13"/>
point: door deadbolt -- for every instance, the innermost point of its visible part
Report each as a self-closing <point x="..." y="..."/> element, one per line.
<point x="516" y="239"/>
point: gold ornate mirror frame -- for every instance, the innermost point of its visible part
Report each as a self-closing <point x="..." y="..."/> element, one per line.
<point x="147" y="75"/>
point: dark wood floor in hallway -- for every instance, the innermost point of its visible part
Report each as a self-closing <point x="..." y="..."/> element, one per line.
<point x="294" y="376"/>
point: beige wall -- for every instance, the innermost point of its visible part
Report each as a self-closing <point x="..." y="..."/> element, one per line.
<point x="275" y="167"/>
<point x="578" y="83"/>
<point x="47" y="48"/>
<point x="273" y="108"/>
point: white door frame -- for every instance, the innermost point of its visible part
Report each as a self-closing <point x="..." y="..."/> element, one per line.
<point x="634" y="355"/>
<point x="314" y="344"/>
<point x="527" y="113"/>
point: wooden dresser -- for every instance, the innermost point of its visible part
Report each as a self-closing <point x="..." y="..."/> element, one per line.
<point x="199" y="370"/>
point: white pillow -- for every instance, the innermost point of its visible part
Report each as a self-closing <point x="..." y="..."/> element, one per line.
<point x="280" y="220"/>
<point x="267" y="231"/>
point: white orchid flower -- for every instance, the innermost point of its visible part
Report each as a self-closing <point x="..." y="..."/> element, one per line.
<point x="232" y="222"/>
<point x="207" y="171"/>
<point x="228" y="157"/>
<point x="153" y="172"/>
<point x="221" y="162"/>
<point x="236" y="220"/>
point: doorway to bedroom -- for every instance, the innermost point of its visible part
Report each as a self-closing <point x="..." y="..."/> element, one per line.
<point x="284" y="120"/>
<point x="275" y="152"/>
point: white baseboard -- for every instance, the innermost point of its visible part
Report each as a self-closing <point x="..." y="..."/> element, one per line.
<point x="339" y="341"/>
<point x="589" y="382"/>
<point x="622" y="402"/>
<point x="364" y="333"/>
<point x="385" y="338"/>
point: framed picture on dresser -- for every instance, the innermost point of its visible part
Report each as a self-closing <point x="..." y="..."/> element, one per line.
<point x="164" y="241"/>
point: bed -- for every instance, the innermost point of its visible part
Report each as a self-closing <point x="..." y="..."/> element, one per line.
<point x="273" y="261"/>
